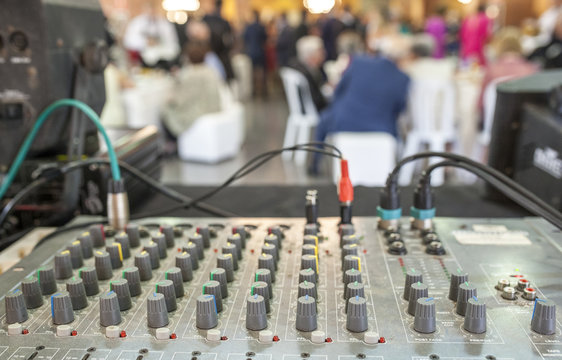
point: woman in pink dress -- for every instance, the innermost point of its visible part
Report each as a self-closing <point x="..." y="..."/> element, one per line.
<point x="475" y="31"/>
<point x="437" y="28"/>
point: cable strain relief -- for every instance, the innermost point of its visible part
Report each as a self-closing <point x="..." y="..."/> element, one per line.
<point x="423" y="196"/>
<point x="115" y="186"/>
<point x="390" y="198"/>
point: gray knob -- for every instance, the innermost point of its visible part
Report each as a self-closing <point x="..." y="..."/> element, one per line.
<point x="213" y="287"/>
<point x="273" y="240"/>
<point x="133" y="233"/>
<point x="424" y="320"/>
<point x="191" y="249"/>
<point x="265" y="276"/>
<point x="206" y="312"/>
<point x="350" y="239"/>
<point x="174" y="275"/>
<point x="309" y="262"/>
<point x="225" y="261"/>
<point x="417" y="290"/>
<point x="132" y="275"/>
<point x="123" y="239"/>
<point x="98" y="235"/>
<point x="346" y="229"/>
<point x="544" y="317"/>
<point x="266" y="261"/>
<point x="457" y="278"/>
<point x="241" y="229"/>
<point x="144" y="263"/>
<point x="412" y="276"/>
<point x="102" y="262"/>
<point x="31" y="292"/>
<point x="168" y="231"/>
<point x="46" y="278"/>
<point x="351" y="262"/>
<point x="277" y="231"/>
<point x="351" y="275"/>
<point x="309" y="250"/>
<point x="63" y="265"/>
<point x="197" y="239"/>
<point x="306" y="314"/>
<point x="307" y="275"/>
<point x="166" y="288"/>
<point x="256" y="315"/>
<point x="160" y="241"/>
<point x="354" y="289"/>
<point x="76" y="258"/>
<point x="261" y="288"/>
<point x="466" y="291"/>
<point x="349" y="249"/>
<point x="61" y="308"/>
<point x="271" y="250"/>
<point x="89" y="277"/>
<point x="77" y="292"/>
<point x="219" y="274"/>
<point x="307" y="288"/>
<point x="237" y="241"/>
<point x="109" y="309"/>
<point x="86" y="245"/>
<point x="310" y="229"/>
<point x="230" y="248"/>
<point x="310" y="240"/>
<point x="121" y="289"/>
<point x="115" y="255"/>
<point x="357" y="320"/>
<point x="206" y="234"/>
<point x="154" y="254"/>
<point x="156" y="311"/>
<point x="16" y="312"/>
<point x="475" y="317"/>
<point x="183" y="261"/>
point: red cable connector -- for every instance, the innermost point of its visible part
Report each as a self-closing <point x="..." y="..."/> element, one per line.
<point x="345" y="188"/>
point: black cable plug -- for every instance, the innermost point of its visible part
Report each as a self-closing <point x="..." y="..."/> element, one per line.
<point x="389" y="210"/>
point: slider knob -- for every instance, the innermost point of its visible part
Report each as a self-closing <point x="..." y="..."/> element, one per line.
<point x="63" y="265"/>
<point x="77" y="293"/>
<point x="306" y="314"/>
<point x="156" y="311"/>
<point x="132" y="276"/>
<point x="109" y="309"/>
<point x="89" y="278"/>
<point x="206" y="312"/>
<point x="475" y="317"/>
<point x="357" y="314"/>
<point x="424" y="320"/>
<point x="16" y="312"/>
<point x="31" y="292"/>
<point x="256" y="316"/>
<point x="544" y="317"/>
<point x="61" y="308"/>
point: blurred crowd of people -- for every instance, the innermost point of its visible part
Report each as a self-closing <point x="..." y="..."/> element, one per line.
<point x="359" y="68"/>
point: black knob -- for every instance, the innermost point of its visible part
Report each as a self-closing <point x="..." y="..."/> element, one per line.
<point x="307" y="275"/>
<point x="214" y="288"/>
<point x="225" y="261"/>
<point x="197" y="239"/>
<point x="351" y="275"/>
<point x="16" y="312"/>
<point x="307" y="288"/>
<point x="205" y="232"/>
<point x="457" y="278"/>
<point x="152" y="249"/>
<point x="241" y="230"/>
<point x="115" y="255"/>
<point x="266" y="261"/>
<point x="309" y="249"/>
<point x="237" y="241"/>
<point x="265" y="276"/>
<point x="417" y="290"/>
<point x="168" y="231"/>
<point x="219" y="274"/>
<point x="191" y="249"/>
<point x="61" y="308"/>
<point x="156" y="311"/>
<point x="261" y="288"/>
<point x="412" y="276"/>
<point x="97" y="234"/>
<point x="273" y="240"/>
<point x="109" y="309"/>
<point x="230" y="248"/>
<point x="271" y="250"/>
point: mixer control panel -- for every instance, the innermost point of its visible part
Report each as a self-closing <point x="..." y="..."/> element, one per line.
<point x="278" y="288"/>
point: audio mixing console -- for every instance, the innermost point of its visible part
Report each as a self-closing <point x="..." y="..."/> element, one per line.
<point x="278" y="288"/>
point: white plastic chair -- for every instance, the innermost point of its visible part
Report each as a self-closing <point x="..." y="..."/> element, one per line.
<point x="371" y="156"/>
<point x="431" y="110"/>
<point x="242" y="66"/>
<point x="303" y="116"/>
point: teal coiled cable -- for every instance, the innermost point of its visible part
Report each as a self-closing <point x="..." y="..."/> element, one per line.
<point x="90" y="113"/>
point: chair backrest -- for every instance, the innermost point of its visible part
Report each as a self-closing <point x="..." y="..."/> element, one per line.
<point x="298" y="93"/>
<point x="432" y="107"/>
<point x="371" y="156"/>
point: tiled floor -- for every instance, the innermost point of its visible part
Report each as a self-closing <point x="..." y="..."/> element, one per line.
<point x="265" y="128"/>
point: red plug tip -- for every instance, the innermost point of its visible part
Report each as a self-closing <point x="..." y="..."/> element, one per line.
<point x="345" y="188"/>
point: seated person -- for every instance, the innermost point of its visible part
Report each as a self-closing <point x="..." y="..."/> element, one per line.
<point x="199" y="31"/>
<point x="423" y="66"/>
<point x="197" y="92"/>
<point x="310" y="56"/>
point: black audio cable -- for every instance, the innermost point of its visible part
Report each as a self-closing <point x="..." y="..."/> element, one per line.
<point x="250" y="166"/>
<point x="390" y="197"/>
<point x="504" y="185"/>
